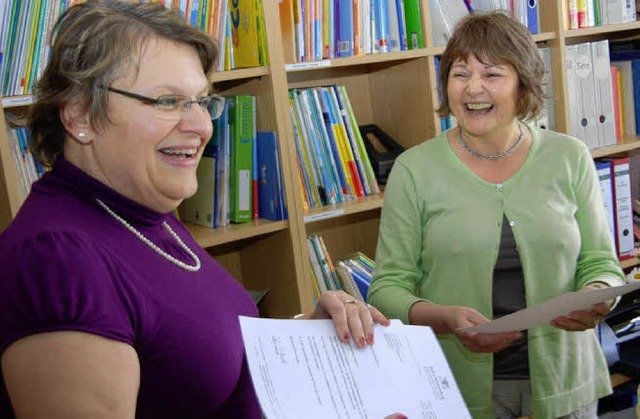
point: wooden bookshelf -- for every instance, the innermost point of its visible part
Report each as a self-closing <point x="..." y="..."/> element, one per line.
<point x="396" y="91"/>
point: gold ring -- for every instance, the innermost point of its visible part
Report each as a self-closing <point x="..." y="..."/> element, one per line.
<point x="351" y="302"/>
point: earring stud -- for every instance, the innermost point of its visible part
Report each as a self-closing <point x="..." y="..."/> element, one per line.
<point x="82" y="135"/>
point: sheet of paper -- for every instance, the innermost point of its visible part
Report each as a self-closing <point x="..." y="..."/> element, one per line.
<point x="559" y="306"/>
<point x="300" y="369"/>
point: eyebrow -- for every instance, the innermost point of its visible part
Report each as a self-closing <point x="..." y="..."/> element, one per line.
<point x="486" y="66"/>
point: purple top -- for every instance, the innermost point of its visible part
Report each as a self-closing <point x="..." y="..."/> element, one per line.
<point x="66" y="264"/>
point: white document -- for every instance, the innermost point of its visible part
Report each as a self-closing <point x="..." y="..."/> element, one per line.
<point x="300" y="369"/>
<point x="561" y="305"/>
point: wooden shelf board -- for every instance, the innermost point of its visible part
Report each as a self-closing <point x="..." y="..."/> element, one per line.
<point x="629" y="143"/>
<point x="544" y="36"/>
<point x="239" y="74"/>
<point x="606" y="29"/>
<point x="359" y="60"/>
<point x="368" y="203"/>
<point x="618" y="379"/>
<point x="629" y="263"/>
<point x="209" y="237"/>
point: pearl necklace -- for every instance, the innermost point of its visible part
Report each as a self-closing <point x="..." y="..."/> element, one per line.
<point x="492" y="156"/>
<point x="190" y="268"/>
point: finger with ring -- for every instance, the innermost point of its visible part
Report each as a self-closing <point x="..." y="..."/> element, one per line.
<point x="351" y="302"/>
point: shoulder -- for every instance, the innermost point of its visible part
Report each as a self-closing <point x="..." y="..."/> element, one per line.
<point x="426" y="153"/>
<point x="557" y="142"/>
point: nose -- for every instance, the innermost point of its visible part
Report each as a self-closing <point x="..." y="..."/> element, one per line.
<point x="474" y="84"/>
<point x="198" y="120"/>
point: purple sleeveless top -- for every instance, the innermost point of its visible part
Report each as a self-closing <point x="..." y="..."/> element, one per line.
<point x="65" y="264"/>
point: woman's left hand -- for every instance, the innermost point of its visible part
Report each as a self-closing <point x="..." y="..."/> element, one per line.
<point x="580" y="320"/>
<point x="351" y="318"/>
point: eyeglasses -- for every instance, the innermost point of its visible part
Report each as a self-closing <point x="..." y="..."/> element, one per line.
<point x="174" y="107"/>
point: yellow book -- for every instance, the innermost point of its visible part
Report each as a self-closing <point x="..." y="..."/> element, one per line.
<point x="244" y="32"/>
<point x="621" y="105"/>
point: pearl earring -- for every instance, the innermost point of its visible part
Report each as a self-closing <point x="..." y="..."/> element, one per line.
<point x="82" y="135"/>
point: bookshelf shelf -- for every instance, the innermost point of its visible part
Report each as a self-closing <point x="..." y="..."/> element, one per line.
<point x="396" y="91"/>
<point x="629" y="143"/>
<point x="208" y="237"/>
<point x="239" y="74"/>
<point x="619" y="29"/>
<point x="629" y="263"/>
<point x="365" y="204"/>
<point x="360" y="60"/>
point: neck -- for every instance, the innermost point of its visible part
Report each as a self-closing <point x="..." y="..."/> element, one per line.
<point x="499" y="149"/>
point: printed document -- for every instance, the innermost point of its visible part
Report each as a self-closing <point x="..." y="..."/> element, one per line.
<point x="561" y="305"/>
<point x="301" y="369"/>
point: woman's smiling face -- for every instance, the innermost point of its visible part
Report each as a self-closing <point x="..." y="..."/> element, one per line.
<point x="483" y="96"/>
<point x="142" y="155"/>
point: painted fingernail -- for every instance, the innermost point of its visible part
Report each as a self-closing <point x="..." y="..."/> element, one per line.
<point x="362" y="341"/>
<point x="345" y="337"/>
<point x="370" y="339"/>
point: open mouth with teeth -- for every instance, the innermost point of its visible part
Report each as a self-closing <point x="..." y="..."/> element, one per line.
<point x="483" y="107"/>
<point x="185" y="153"/>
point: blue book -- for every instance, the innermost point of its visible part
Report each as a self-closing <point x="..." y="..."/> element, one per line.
<point x="635" y="71"/>
<point x="361" y="282"/>
<point x="401" y="26"/>
<point x="345" y="36"/>
<point x="381" y="40"/>
<point x="532" y="16"/>
<point x="270" y="185"/>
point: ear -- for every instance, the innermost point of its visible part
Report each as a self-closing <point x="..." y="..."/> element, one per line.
<point x="75" y="118"/>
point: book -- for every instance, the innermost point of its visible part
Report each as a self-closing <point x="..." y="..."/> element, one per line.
<point x="605" y="117"/>
<point x="200" y="208"/>
<point x="348" y="283"/>
<point x="532" y="16"/>
<point x="413" y="23"/>
<point x="605" y="177"/>
<point x="581" y="89"/>
<point x="623" y="210"/>
<point x="444" y="16"/>
<point x="625" y="71"/>
<point x="270" y="184"/>
<point x="243" y="16"/>
<point x="242" y="124"/>
<point x="615" y="93"/>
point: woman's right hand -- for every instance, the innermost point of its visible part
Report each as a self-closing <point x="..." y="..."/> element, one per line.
<point x="479" y="342"/>
<point x="450" y="319"/>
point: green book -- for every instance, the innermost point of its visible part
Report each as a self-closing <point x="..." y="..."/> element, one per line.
<point x="242" y="125"/>
<point x="413" y="24"/>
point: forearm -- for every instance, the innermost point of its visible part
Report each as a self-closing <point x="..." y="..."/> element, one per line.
<point x="424" y="313"/>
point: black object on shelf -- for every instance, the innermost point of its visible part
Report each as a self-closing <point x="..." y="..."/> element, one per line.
<point x="382" y="150"/>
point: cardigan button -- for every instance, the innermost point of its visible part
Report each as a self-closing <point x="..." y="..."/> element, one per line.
<point x="512" y="223"/>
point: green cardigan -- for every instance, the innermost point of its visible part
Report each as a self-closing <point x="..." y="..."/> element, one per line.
<point x="439" y="240"/>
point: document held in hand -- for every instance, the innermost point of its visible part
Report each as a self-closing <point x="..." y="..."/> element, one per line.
<point x="301" y="369"/>
<point x="561" y="305"/>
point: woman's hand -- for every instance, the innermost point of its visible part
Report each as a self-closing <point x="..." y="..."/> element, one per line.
<point x="451" y="319"/>
<point x="351" y="318"/>
<point x="580" y="320"/>
<point x="479" y="342"/>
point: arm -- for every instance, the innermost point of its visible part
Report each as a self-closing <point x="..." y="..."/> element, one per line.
<point x="71" y="375"/>
<point x="597" y="263"/>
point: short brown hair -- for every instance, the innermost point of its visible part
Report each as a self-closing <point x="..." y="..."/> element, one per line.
<point x="496" y="38"/>
<point x="97" y="42"/>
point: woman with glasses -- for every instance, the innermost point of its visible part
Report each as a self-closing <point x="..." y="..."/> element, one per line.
<point x="108" y="307"/>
